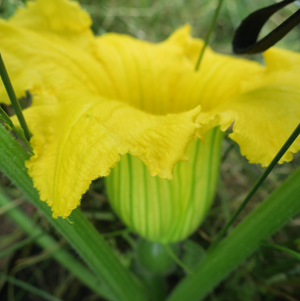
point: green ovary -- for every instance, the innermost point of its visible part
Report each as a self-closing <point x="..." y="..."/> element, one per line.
<point x="164" y="210"/>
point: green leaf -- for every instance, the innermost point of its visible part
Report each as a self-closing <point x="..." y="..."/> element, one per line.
<point x="46" y="241"/>
<point x="82" y="236"/>
<point x="260" y="224"/>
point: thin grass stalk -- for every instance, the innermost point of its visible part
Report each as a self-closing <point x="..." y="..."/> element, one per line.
<point x="210" y="30"/>
<point x="12" y="96"/>
<point x="283" y="249"/>
<point x="259" y="182"/>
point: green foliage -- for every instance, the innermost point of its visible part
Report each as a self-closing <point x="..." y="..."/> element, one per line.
<point x="193" y="253"/>
<point x="155" y="20"/>
<point x="269" y="274"/>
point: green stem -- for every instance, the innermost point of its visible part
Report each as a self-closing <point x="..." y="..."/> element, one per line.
<point x="156" y="286"/>
<point x="153" y="264"/>
<point x="6" y="119"/>
<point x="12" y="96"/>
<point x="280" y="248"/>
<point x="210" y="30"/>
<point x="260" y="224"/>
<point x="82" y="236"/>
<point x="177" y="260"/>
<point x="259" y="182"/>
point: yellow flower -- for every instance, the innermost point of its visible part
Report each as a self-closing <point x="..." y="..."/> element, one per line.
<point x="96" y="98"/>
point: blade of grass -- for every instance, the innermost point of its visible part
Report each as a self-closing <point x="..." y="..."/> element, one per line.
<point x="210" y="30"/>
<point x="18" y="245"/>
<point x="259" y="182"/>
<point x="177" y="260"/>
<point x="19" y="132"/>
<point x="29" y="288"/>
<point x="33" y="278"/>
<point x="9" y="239"/>
<point x="82" y="236"/>
<point x="61" y="255"/>
<point x="280" y="248"/>
<point x="12" y="96"/>
<point x="10" y="205"/>
<point x="260" y="224"/>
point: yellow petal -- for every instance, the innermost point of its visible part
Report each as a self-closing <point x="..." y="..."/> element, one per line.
<point x="22" y="79"/>
<point x="163" y="75"/>
<point x="264" y="117"/>
<point x="157" y="78"/>
<point x="282" y="60"/>
<point x="81" y="137"/>
<point x="37" y="64"/>
<point x="47" y="47"/>
<point x="47" y="52"/>
<point x="145" y="75"/>
<point x="57" y="19"/>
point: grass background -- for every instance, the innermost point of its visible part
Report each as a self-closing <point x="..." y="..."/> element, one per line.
<point x="268" y="274"/>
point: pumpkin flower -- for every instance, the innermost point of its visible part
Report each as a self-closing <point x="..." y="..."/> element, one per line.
<point x="116" y="104"/>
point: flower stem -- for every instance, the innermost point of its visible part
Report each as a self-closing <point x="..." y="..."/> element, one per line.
<point x="156" y="286"/>
<point x="177" y="260"/>
<point x="210" y="30"/>
<point x="259" y="182"/>
<point x="12" y="96"/>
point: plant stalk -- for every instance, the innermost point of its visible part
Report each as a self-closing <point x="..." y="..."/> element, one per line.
<point x="210" y="30"/>
<point x="13" y="98"/>
<point x="278" y="209"/>
<point x="259" y="182"/>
